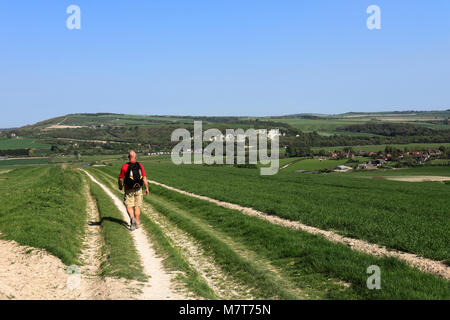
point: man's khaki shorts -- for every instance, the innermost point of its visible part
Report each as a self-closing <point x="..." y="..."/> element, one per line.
<point x="133" y="198"/>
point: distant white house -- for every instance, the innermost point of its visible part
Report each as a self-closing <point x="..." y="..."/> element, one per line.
<point x="342" y="168"/>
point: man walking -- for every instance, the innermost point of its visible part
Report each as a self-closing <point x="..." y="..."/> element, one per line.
<point x="133" y="177"/>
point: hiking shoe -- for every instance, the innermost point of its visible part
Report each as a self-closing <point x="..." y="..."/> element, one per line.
<point x="133" y="224"/>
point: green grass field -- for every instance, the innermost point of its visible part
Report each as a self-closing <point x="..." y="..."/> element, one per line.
<point x="274" y="262"/>
<point x="416" y="171"/>
<point x="85" y="159"/>
<point x="44" y="207"/>
<point x="376" y="148"/>
<point x="391" y="213"/>
<point x="19" y="162"/>
<point x="319" y="125"/>
<point x="314" y="164"/>
<point x="22" y="143"/>
<point x="440" y="162"/>
<point x="310" y="266"/>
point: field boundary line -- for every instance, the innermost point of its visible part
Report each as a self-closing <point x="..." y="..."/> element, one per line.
<point x="159" y="286"/>
<point x="423" y="264"/>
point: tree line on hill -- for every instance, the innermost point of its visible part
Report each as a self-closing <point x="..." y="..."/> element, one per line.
<point x="394" y="129"/>
<point x="300" y="145"/>
<point x="15" y="152"/>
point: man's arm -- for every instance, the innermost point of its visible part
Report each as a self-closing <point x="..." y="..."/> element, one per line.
<point x="145" y="179"/>
<point x="122" y="176"/>
<point x="146" y="186"/>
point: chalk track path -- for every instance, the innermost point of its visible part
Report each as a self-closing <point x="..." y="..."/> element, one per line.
<point x="160" y="285"/>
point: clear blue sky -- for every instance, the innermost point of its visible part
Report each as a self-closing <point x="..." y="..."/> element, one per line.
<point x="217" y="57"/>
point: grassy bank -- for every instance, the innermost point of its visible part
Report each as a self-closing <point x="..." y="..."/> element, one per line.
<point x="44" y="207"/>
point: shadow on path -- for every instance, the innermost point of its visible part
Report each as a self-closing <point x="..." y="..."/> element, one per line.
<point x="111" y="219"/>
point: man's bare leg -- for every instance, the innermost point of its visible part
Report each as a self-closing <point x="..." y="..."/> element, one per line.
<point x="130" y="212"/>
<point x="137" y="213"/>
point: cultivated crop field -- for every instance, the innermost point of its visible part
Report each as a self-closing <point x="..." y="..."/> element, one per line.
<point x="390" y="213"/>
<point x="245" y="246"/>
<point x="376" y="148"/>
<point x="22" y="143"/>
<point x="314" y="164"/>
<point x="29" y="161"/>
<point x="325" y="126"/>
